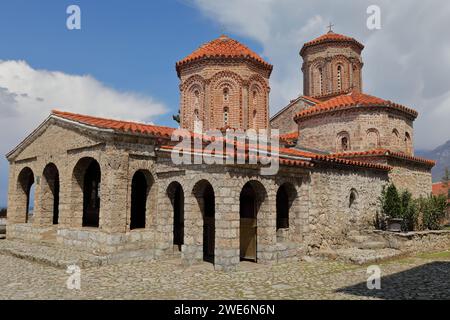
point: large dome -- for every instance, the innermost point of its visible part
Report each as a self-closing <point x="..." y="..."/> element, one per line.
<point x="223" y="47"/>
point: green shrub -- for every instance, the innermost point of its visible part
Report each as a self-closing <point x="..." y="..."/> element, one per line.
<point x="397" y="205"/>
<point x="433" y="210"/>
<point x="3" y="213"/>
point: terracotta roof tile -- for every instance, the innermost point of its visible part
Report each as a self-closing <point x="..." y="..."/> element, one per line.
<point x="116" y="125"/>
<point x="353" y="99"/>
<point x="223" y="47"/>
<point x="384" y="152"/>
<point x="330" y="37"/>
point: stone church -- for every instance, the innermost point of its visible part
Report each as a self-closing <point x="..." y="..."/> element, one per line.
<point x="110" y="186"/>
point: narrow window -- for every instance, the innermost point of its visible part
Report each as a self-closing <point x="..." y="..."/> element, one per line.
<point x="339" y="78"/>
<point x="226" y="93"/>
<point x="321" y="81"/>
<point x="344" y="144"/>
<point x="225" y="116"/>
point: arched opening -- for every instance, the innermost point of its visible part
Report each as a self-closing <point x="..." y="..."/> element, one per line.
<point x="251" y="198"/>
<point x="352" y="198"/>
<point x="139" y="194"/>
<point x="282" y="208"/>
<point x="176" y="196"/>
<point x="321" y="81"/>
<point x="395" y="138"/>
<point x="25" y="194"/>
<point x="204" y="193"/>
<point x="343" y="142"/>
<point x="87" y="178"/>
<point x="286" y="196"/>
<point x="50" y="194"/>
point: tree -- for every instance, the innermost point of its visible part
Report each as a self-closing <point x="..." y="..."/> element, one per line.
<point x="446" y="181"/>
<point x="392" y="205"/>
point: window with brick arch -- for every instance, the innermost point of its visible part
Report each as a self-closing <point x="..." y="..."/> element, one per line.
<point x="395" y="138"/>
<point x="226" y="94"/>
<point x="408" y="146"/>
<point x="320" y="80"/>
<point x="373" y="138"/>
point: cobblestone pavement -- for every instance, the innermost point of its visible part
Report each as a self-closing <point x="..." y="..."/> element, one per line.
<point x="419" y="277"/>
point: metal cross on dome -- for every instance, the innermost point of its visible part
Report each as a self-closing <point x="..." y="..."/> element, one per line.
<point x="330" y="26"/>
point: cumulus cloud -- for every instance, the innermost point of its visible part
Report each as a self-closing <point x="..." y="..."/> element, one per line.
<point x="407" y="61"/>
<point x="28" y="95"/>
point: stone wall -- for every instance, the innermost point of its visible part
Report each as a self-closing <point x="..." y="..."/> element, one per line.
<point x="417" y="241"/>
<point x="411" y="176"/>
<point x="332" y="216"/>
<point x="365" y="129"/>
<point x="284" y="120"/>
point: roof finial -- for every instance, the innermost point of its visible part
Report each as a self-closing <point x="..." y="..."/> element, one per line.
<point x="330" y="26"/>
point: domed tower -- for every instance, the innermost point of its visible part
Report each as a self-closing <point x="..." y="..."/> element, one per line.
<point x="224" y="84"/>
<point x="332" y="65"/>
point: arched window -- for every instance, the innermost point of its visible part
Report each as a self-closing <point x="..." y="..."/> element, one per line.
<point x="373" y="138"/>
<point x="343" y="141"/>
<point x="225" y="116"/>
<point x="196" y="114"/>
<point x="407" y="142"/>
<point x="395" y="138"/>
<point x="255" y="97"/>
<point x="321" y="81"/>
<point x="339" y="78"/>
<point x="226" y="94"/>
<point x="196" y="98"/>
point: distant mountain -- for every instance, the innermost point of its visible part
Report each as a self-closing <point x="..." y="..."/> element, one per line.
<point x="442" y="155"/>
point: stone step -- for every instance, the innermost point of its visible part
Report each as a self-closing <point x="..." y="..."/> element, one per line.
<point x="367" y="256"/>
<point x="372" y="245"/>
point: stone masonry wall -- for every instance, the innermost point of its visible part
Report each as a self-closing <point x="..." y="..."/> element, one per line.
<point x="284" y="121"/>
<point x="365" y="129"/>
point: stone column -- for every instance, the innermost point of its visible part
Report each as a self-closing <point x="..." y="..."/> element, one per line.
<point x="267" y="227"/>
<point x="192" y="249"/>
<point x="227" y="253"/>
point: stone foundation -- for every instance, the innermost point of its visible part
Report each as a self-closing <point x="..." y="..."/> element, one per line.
<point x="418" y="241"/>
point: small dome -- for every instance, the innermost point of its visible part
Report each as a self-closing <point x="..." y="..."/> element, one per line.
<point x="330" y="37"/>
<point x="223" y="47"/>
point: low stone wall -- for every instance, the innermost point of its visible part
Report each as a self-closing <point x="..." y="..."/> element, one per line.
<point x="418" y="241"/>
<point x="30" y="232"/>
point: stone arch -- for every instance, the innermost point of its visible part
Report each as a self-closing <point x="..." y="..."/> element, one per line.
<point x="143" y="199"/>
<point x="204" y="194"/>
<point x="175" y="193"/>
<point x="49" y="201"/>
<point x="190" y="99"/>
<point x="25" y="182"/>
<point x="86" y="179"/>
<point x="372" y="138"/>
<point x="286" y="197"/>
<point x="343" y="141"/>
<point x="251" y="203"/>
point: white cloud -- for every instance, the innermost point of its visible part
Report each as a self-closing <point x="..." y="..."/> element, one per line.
<point x="406" y="61"/>
<point x="28" y="95"/>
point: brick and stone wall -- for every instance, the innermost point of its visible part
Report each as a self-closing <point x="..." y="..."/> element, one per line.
<point x="239" y="86"/>
<point x="320" y="69"/>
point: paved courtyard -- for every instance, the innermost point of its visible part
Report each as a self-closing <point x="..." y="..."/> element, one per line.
<point x="422" y="276"/>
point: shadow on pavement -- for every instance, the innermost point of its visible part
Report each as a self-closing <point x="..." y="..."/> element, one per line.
<point x="429" y="281"/>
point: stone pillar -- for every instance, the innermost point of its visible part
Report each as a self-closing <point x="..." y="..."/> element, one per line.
<point x="227" y="253"/>
<point x="267" y="227"/>
<point x="192" y="249"/>
<point x="113" y="193"/>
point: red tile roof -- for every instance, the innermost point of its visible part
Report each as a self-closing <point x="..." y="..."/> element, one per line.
<point x="440" y="189"/>
<point x="353" y="99"/>
<point x="116" y="125"/>
<point x="289" y="136"/>
<point x="330" y="37"/>
<point x="384" y="152"/>
<point x="223" y="47"/>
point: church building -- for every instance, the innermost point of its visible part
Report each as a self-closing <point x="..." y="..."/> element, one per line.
<point x="110" y="186"/>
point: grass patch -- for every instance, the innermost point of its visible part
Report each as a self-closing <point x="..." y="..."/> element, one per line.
<point x="435" y="255"/>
